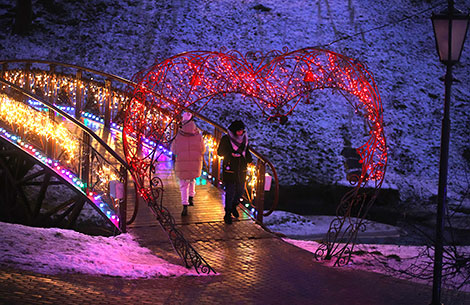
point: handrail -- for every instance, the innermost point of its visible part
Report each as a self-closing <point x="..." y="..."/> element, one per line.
<point x="76" y="88"/>
<point x="72" y="119"/>
<point x="39" y="61"/>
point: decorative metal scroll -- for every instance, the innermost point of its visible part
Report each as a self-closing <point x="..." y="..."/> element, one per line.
<point x="276" y="81"/>
<point x="184" y="249"/>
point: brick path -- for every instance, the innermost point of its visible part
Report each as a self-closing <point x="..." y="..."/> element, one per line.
<point x="254" y="267"/>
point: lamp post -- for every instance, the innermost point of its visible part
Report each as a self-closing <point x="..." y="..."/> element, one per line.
<point x="450" y="29"/>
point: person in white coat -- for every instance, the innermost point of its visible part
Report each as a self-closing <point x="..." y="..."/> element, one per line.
<point x="188" y="147"/>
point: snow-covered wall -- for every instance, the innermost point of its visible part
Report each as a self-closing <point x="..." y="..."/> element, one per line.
<point x="396" y="43"/>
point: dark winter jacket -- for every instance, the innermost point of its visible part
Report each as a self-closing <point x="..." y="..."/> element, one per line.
<point x="234" y="168"/>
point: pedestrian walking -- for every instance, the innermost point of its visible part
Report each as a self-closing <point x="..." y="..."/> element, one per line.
<point x="234" y="149"/>
<point x="189" y="148"/>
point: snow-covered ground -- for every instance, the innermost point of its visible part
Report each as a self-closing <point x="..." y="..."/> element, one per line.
<point x="52" y="251"/>
<point x="411" y="262"/>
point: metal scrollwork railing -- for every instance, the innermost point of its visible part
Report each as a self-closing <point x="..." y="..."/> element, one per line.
<point x="184" y="249"/>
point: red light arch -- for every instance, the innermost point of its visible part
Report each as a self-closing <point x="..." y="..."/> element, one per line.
<point x="276" y="82"/>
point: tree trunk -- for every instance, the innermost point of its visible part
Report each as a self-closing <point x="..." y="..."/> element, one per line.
<point x="24" y="17"/>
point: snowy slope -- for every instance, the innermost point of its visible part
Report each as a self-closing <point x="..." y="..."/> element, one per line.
<point x="395" y="41"/>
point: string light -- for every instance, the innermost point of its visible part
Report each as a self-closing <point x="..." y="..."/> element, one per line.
<point x="276" y="82"/>
<point x="38" y="123"/>
<point x="65" y="87"/>
<point x="34" y="119"/>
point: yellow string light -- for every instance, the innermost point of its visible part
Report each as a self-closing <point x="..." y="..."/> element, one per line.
<point x="39" y="123"/>
<point x="53" y="83"/>
<point x="251" y="181"/>
<point x="251" y="175"/>
<point x="106" y="174"/>
<point x="210" y="143"/>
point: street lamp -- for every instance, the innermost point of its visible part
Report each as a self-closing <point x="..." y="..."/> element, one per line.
<point x="450" y="29"/>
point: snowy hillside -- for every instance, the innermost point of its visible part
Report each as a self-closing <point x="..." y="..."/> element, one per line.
<point x="395" y="42"/>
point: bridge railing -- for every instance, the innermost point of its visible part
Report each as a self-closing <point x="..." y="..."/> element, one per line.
<point x="89" y="92"/>
<point x="68" y="147"/>
<point x="97" y="97"/>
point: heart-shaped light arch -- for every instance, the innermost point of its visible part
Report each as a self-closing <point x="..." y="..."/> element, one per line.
<point x="276" y="82"/>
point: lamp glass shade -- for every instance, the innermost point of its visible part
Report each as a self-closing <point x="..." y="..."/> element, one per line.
<point x="459" y="27"/>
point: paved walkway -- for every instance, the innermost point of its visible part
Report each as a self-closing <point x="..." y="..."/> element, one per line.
<point x="254" y="267"/>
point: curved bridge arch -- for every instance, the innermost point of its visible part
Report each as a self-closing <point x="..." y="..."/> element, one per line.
<point x="276" y="82"/>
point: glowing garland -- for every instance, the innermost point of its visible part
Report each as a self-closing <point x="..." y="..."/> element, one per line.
<point x="38" y="123"/>
<point x="52" y="85"/>
<point x="275" y="81"/>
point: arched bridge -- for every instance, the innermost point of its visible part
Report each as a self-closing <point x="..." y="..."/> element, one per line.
<point x="62" y="154"/>
<point x="72" y="138"/>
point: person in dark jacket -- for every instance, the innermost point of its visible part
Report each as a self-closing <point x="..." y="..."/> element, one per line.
<point x="234" y="148"/>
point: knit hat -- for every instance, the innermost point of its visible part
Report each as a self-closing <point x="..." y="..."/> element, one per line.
<point x="186" y="117"/>
<point x="236" y="125"/>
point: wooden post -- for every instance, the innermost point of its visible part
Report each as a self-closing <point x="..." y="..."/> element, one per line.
<point x="27" y="80"/>
<point x="123" y="204"/>
<point x="49" y="96"/>
<point x="85" y="159"/>
<point x="52" y="84"/>
<point x="259" y="200"/>
<point x="78" y="96"/>
<point x="107" y="105"/>
<point x="27" y="83"/>
<point x="215" y="163"/>
<point x="50" y="147"/>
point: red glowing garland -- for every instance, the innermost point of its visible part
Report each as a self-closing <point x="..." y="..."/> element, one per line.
<point x="276" y="82"/>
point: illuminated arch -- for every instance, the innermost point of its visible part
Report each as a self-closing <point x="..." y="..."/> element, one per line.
<point x="276" y="82"/>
